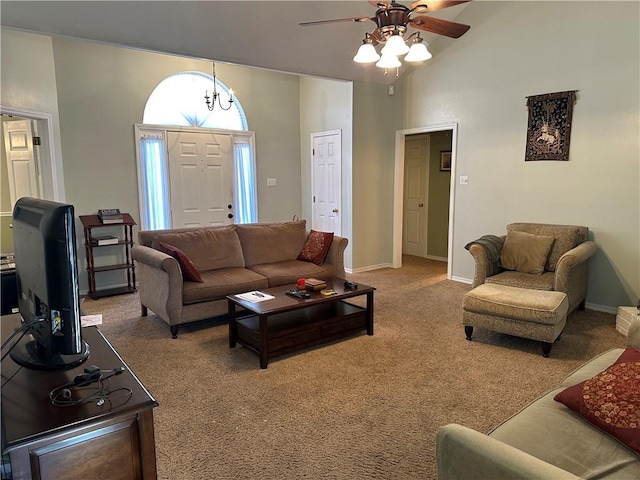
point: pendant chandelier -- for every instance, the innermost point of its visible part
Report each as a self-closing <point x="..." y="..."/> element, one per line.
<point x="211" y="100"/>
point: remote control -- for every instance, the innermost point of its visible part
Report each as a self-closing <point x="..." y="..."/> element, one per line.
<point x="350" y="285"/>
<point x="298" y="293"/>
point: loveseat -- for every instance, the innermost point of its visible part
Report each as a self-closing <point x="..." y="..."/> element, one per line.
<point x="548" y="440"/>
<point x="185" y="274"/>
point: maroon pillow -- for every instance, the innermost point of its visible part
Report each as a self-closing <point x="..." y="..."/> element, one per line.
<point x="611" y="399"/>
<point x="189" y="270"/>
<point x="316" y="248"/>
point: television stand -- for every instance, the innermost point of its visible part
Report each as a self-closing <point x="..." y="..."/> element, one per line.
<point x="43" y="441"/>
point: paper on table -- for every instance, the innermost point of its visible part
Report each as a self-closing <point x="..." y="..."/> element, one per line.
<point x="255" y="296"/>
<point x="89" y="320"/>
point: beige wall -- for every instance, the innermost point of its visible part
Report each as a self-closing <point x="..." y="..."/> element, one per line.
<point x="376" y="117"/>
<point x="327" y="105"/>
<point x="481" y="81"/>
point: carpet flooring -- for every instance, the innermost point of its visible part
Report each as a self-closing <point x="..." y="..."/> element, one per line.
<point x="366" y="407"/>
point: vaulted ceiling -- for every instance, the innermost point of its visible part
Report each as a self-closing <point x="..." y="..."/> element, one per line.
<point x="263" y="34"/>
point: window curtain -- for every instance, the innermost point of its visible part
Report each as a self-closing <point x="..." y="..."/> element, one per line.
<point x="245" y="191"/>
<point x="155" y="182"/>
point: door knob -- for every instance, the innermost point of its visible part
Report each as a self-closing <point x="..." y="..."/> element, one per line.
<point x="421" y="205"/>
<point x="335" y="210"/>
<point x="230" y="215"/>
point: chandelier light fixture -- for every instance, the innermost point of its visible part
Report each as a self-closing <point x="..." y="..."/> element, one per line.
<point x="394" y="47"/>
<point x="211" y="100"/>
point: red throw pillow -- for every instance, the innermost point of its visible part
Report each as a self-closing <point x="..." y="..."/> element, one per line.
<point x="189" y="270"/>
<point x="611" y="399"/>
<point x="316" y="248"/>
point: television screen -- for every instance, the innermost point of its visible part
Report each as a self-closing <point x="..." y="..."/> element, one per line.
<point x="47" y="280"/>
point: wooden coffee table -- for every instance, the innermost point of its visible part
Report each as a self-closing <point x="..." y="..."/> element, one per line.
<point x="285" y="324"/>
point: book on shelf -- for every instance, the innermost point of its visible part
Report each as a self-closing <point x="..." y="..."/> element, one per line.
<point x="105" y="240"/>
<point x="314" y="284"/>
<point x="110" y="215"/>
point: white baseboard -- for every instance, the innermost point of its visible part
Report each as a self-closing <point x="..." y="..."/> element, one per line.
<point x="369" y="268"/>
<point x="439" y="259"/>
<point x="601" y="308"/>
<point x="462" y="280"/>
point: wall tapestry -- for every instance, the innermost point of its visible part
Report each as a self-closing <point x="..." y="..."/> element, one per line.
<point x="549" y="127"/>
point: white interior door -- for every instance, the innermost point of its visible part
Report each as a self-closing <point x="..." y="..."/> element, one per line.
<point x="414" y="239"/>
<point x="201" y="179"/>
<point x="22" y="168"/>
<point x="327" y="181"/>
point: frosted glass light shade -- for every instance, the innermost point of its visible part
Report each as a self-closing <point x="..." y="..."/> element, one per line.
<point x="366" y="54"/>
<point x="395" y="45"/>
<point x="418" y="53"/>
<point x="388" y="61"/>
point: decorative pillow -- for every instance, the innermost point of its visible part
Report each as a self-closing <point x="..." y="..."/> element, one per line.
<point x="189" y="271"/>
<point x="611" y="399"/>
<point x="316" y="248"/>
<point x="525" y="252"/>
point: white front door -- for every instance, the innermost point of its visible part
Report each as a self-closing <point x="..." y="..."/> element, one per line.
<point x="201" y="179"/>
<point x="414" y="239"/>
<point x="22" y="168"/>
<point x="327" y="181"/>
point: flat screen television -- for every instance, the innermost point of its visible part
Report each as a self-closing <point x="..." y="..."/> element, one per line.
<point x="46" y="261"/>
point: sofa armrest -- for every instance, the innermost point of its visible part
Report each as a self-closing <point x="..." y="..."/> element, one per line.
<point x="463" y="453"/>
<point x="484" y="265"/>
<point x="159" y="282"/>
<point x="335" y="255"/>
<point x="572" y="270"/>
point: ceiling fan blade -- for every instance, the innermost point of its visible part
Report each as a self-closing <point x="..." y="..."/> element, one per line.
<point x="439" y="26"/>
<point x="424" y="6"/>
<point x="351" y="19"/>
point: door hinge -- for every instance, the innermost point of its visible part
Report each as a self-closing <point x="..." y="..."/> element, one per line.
<point x="313" y="151"/>
<point x="36" y="141"/>
<point x="314" y="199"/>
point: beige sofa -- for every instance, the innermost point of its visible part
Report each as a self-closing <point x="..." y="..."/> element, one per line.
<point x="230" y="259"/>
<point x="545" y="440"/>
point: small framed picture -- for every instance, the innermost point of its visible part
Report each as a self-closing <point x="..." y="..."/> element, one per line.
<point x="445" y="161"/>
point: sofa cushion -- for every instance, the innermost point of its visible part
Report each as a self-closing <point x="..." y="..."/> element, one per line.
<point x="566" y="238"/>
<point x="283" y="273"/>
<point x="217" y="284"/>
<point x="611" y="399"/>
<point x="523" y="280"/>
<point x="316" y="248"/>
<point x="549" y="431"/>
<point x="189" y="271"/>
<point x="208" y="248"/>
<point x="525" y="252"/>
<point x="271" y="242"/>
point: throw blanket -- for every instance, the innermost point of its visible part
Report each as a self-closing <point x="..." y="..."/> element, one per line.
<point x="493" y="246"/>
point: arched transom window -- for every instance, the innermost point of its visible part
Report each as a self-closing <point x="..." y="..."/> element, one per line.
<point x="179" y="100"/>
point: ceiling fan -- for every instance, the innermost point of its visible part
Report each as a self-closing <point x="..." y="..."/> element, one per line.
<point x="392" y="19"/>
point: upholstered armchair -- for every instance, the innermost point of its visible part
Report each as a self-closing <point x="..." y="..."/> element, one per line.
<point x="536" y="256"/>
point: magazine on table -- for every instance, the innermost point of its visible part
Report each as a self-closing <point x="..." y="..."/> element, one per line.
<point x="255" y="296"/>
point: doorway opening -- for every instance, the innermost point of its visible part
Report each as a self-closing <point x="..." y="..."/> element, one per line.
<point x="399" y="187"/>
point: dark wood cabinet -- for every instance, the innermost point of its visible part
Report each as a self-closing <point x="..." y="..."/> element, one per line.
<point x="112" y="440"/>
<point x="92" y="222"/>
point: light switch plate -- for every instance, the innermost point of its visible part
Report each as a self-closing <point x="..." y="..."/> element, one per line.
<point x="271" y="182"/>
<point x="464" y="180"/>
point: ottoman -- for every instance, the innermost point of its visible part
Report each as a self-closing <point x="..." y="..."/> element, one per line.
<point x="535" y="314"/>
